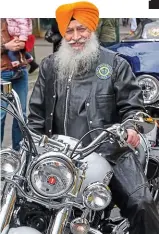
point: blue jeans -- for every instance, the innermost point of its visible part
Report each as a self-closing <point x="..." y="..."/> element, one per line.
<point x="13" y="55"/>
<point x="21" y="88"/>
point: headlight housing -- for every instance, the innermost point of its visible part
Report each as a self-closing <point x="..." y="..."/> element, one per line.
<point x="150" y="88"/>
<point x="51" y="175"/>
<point x="9" y="162"/>
<point x="97" y="196"/>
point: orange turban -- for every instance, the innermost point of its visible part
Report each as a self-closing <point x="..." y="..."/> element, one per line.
<point x="85" y="13"/>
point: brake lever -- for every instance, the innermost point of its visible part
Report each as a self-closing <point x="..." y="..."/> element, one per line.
<point x="123" y="135"/>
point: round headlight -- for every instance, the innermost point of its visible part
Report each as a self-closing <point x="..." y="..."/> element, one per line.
<point x="97" y="196"/>
<point x="51" y="175"/>
<point x="10" y="163"/>
<point x="150" y="88"/>
<point x="79" y="226"/>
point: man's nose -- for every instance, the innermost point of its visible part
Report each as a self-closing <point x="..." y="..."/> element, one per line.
<point x="76" y="35"/>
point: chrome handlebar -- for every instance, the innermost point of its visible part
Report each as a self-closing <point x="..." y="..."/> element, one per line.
<point x="115" y="129"/>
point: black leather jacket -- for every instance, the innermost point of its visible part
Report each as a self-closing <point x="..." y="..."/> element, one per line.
<point x="113" y="97"/>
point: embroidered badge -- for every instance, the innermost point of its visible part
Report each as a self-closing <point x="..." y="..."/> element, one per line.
<point x="104" y="71"/>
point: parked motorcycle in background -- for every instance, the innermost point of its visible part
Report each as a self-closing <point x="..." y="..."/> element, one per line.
<point x="141" y="50"/>
<point x="51" y="185"/>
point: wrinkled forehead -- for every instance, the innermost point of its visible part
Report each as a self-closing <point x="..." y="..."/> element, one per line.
<point x="75" y="24"/>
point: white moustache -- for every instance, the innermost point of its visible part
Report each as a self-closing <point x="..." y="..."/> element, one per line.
<point x="78" y="41"/>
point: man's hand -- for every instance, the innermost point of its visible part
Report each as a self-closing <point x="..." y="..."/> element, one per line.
<point x="12" y="45"/>
<point x="133" y="138"/>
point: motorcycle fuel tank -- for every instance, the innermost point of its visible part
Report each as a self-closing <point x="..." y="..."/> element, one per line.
<point x="98" y="166"/>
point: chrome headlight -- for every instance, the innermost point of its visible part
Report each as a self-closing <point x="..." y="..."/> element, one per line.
<point x="10" y="162"/>
<point x="150" y="88"/>
<point x="51" y="175"/>
<point x="79" y="226"/>
<point x="97" y="196"/>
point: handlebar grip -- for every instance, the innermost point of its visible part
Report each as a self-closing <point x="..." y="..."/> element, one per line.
<point x="125" y="135"/>
<point x="6" y="87"/>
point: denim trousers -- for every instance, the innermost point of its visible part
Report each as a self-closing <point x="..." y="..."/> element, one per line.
<point x="13" y="55"/>
<point x="21" y="88"/>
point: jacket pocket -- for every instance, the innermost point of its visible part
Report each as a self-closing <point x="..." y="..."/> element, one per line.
<point x="105" y="101"/>
<point x="106" y="108"/>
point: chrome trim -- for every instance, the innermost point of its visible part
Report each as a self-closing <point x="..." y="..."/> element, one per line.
<point x="48" y="155"/>
<point x="52" y="154"/>
<point x="7" y="208"/>
<point x="18" y="104"/>
<point x="49" y="204"/>
<point x="95" y="141"/>
<point x="94" y="231"/>
<point x="6" y="87"/>
<point x="15" y="155"/>
<point x="97" y="186"/>
<point x="66" y="103"/>
<point x="116" y="228"/>
<point x="144" y="76"/>
<point x="51" y="142"/>
<point x="152" y="105"/>
<point x="5" y="230"/>
<point x="140" y="40"/>
<point x="60" y="221"/>
<point x="10" y="198"/>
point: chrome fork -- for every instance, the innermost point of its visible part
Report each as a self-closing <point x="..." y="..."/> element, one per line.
<point x="7" y="207"/>
<point x="60" y="221"/>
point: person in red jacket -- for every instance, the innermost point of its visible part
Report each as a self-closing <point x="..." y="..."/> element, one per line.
<point x="21" y="29"/>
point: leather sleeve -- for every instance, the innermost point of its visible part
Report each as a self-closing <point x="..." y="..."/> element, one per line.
<point x="36" y="118"/>
<point x="129" y="96"/>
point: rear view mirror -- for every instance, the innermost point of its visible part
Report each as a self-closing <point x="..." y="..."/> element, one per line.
<point x="142" y="122"/>
<point x="145" y="123"/>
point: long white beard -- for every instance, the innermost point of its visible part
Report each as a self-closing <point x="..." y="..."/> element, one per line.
<point x="77" y="62"/>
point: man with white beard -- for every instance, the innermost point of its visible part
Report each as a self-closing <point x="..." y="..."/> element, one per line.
<point x="77" y="61"/>
<point x="84" y="86"/>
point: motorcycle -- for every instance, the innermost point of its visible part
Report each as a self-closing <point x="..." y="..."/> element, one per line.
<point x="142" y="52"/>
<point x="51" y="185"/>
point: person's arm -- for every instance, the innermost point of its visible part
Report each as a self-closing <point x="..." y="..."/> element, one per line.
<point x="109" y="30"/>
<point x="36" y="118"/>
<point x="11" y="45"/>
<point x="25" y="28"/>
<point x="129" y="96"/>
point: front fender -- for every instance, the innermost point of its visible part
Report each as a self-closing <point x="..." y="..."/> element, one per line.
<point x="22" y="230"/>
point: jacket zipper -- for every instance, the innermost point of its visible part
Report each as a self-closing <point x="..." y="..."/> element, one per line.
<point x="66" y="103"/>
